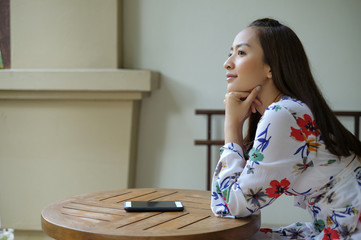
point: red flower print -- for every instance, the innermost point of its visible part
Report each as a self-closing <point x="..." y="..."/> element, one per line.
<point x="277" y="188"/>
<point x="330" y="234"/>
<point x="297" y="134"/>
<point x="308" y="125"/>
<point x="266" y="230"/>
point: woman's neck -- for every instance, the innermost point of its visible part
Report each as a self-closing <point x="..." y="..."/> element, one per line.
<point x="268" y="95"/>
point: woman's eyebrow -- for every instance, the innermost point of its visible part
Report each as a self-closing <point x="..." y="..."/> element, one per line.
<point x="240" y="45"/>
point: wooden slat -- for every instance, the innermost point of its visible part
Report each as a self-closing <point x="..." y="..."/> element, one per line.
<point x="94" y="208"/>
<point x="210" y="111"/>
<point x="98" y="204"/>
<point x="155" y="220"/>
<point x="181" y="222"/>
<point x="128" y="197"/>
<point x="132" y="218"/>
<point x="104" y="196"/>
<point x="5" y="33"/>
<point x="89" y="215"/>
<point x="155" y="196"/>
<point x="209" y="142"/>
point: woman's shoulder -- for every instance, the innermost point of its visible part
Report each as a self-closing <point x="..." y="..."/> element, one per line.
<point x="288" y="105"/>
<point x="286" y="111"/>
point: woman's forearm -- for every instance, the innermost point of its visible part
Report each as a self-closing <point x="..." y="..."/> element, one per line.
<point x="233" y="132"/>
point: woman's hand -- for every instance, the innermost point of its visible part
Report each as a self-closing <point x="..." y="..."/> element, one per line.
<point x="239" y="106"/>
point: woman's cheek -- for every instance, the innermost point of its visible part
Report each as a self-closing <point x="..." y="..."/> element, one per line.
<point x="251" y="74"/>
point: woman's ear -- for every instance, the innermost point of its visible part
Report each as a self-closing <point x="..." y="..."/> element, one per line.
<point x="269" y="74"/>
<point x="268" y="71"/>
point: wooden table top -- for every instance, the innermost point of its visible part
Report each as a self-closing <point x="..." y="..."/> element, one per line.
<point x="101" y="216"/>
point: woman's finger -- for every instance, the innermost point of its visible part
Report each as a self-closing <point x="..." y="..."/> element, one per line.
<point x="257" y="102"/>
<point x="253" y="108"/>
<point x="237" y="95"/>
<point x="252" y="96"/>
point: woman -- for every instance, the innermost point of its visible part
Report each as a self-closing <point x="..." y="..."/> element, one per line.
<point x="294" y="145"/>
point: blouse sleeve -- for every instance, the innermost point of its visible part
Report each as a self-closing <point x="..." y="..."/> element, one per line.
<point x="241" y="188"/>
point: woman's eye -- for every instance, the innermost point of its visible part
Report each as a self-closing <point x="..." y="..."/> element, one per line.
<point x="241" y="53"/>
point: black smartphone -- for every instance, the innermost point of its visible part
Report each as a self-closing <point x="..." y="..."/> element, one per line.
<point x="153" y="206"/>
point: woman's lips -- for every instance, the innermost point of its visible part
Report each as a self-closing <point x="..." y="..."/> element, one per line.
<point x="230" y="77"/>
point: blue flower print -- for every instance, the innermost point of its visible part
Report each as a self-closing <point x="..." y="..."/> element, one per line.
<point x="299" y="168"/>
<point x="256" y="196"/>
<point x="262" y="138"/>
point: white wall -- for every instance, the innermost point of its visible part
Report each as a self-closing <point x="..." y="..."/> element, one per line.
<point x="187" y="41"/>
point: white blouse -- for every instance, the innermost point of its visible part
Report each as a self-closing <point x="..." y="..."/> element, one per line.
<point x="289" y="157"/>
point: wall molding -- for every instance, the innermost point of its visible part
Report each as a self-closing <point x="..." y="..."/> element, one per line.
<point x="81" y="84"/>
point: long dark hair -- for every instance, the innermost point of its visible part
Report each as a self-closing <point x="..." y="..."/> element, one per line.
<point x="284" y="53"/>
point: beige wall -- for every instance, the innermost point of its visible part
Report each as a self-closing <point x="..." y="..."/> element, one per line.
<point x="64" y="34"/>
<point x="188" y="41"/>
<point x="68" y="116"/>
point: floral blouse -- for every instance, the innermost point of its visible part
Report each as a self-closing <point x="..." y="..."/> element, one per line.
<point x="289" y="157"/>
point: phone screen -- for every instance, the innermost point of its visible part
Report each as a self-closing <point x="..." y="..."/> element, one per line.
<point x="153" y="204"/>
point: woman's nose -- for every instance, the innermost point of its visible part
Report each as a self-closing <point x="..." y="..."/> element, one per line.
<point x="228" y="64"/>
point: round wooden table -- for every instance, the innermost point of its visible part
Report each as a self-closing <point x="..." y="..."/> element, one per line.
<point x="101" y="216"/>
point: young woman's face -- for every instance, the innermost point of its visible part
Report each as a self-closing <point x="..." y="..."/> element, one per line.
<point x="245" y="68"/>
